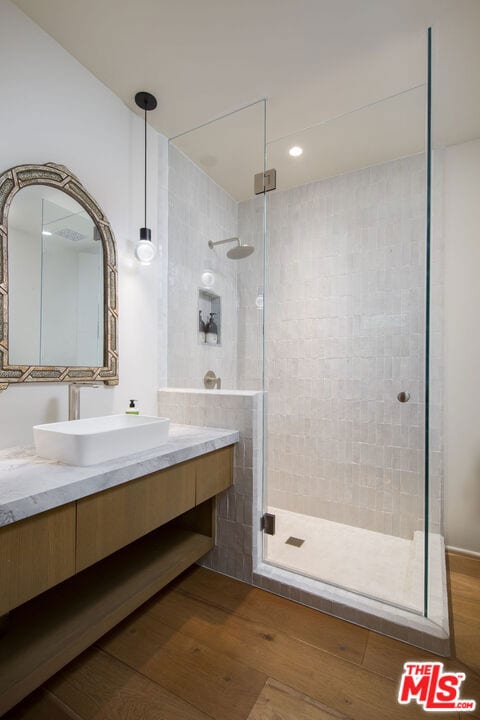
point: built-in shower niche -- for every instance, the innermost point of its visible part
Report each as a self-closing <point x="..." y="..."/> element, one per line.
<point x="209" y="302"/>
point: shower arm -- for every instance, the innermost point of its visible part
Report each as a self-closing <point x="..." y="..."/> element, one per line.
<point x="212" y="244"/>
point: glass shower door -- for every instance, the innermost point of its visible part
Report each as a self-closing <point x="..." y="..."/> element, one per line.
<point x="345" y="351"/>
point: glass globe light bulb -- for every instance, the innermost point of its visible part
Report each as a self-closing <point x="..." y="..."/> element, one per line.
<point x="145" y="252"/>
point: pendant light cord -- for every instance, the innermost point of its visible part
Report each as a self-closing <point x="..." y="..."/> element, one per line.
<point x="145" y="178"/>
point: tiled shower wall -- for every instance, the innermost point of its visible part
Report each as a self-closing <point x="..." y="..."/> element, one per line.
<point x="233" y="552"/>
<point x="345" y="308"/>
<point x="199" y="211"/>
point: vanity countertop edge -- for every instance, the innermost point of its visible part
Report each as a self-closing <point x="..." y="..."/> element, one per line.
<point x="30" y="485"/>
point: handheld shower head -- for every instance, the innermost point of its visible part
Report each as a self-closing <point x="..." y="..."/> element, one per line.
<point x="236" y="253"/>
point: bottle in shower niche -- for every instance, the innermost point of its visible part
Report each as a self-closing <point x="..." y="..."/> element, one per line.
<point x="201" y="328"/>
<point x="211" y="331"/>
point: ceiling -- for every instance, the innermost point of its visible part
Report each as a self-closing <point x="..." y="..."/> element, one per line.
<point x="230" y="150"/>
<point x="313" y="59"/>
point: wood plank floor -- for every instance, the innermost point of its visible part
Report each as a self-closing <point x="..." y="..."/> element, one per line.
<point x="209" y="647"/>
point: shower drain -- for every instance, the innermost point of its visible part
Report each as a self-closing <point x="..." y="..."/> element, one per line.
<point x="296" y="542"/>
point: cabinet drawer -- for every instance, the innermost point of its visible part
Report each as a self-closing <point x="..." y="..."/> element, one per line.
<point x="36" y="554"/>
<point x="114" y="518"/>
<point x="214" y="473"/>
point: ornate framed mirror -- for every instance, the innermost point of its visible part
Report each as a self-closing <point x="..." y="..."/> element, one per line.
<point x="58" y="280"/>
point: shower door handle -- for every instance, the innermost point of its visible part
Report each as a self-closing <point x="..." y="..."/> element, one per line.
<point x="403" y="397"/>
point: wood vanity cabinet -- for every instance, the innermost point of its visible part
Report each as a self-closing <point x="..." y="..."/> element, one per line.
<point x="95" y="561"/>
<point x="214" y="473"/>
<point x="114" y="518"/>
<point x="36" y="554"/>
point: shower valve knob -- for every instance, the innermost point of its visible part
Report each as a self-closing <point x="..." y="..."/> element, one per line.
<point x="403" y="397"/>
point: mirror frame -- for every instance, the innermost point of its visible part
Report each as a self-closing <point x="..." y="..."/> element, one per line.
<point x="58" y="176"/>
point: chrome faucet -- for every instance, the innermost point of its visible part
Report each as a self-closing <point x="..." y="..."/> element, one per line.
<point x="74" y="399"/>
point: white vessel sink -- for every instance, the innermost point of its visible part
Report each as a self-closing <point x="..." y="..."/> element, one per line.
<point x="96" y="440"/>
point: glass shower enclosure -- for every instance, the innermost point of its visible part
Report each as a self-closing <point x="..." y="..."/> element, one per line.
<point x="320" y="296"/>
<point x="349" y="483"/>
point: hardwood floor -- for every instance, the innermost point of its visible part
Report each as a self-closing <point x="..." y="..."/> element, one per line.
<point x="212" y="647"/>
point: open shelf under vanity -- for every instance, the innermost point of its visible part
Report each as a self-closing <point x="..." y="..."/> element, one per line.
<point x="41" y="635"/>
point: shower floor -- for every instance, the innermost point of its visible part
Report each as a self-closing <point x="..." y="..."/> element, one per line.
<point x="381" y="566"/>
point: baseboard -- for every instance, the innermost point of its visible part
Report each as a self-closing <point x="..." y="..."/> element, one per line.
<point x="466" y="563"/>
<point x="463" y="551"/>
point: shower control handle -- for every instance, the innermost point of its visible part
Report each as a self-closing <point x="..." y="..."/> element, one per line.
<point x="211" y="381"/>
<point x="403" y="397"/>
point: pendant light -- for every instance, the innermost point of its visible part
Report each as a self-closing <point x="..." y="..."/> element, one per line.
<point x="144" y="248"/>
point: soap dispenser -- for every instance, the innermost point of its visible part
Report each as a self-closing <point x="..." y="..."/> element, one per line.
<point x="212" y="331"/>
<point x="201" y="328"/>
<point x="132" y="409"/>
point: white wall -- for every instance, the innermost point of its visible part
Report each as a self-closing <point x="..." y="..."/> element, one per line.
<point x="58" y="112"/>
<point x="462" y="345"/>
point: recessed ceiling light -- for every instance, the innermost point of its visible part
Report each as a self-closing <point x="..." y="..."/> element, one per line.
<point x="46" y="232"/>
<point x="295" y="151"/>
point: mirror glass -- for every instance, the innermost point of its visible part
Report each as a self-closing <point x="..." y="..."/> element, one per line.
<point x="55" y="269"/>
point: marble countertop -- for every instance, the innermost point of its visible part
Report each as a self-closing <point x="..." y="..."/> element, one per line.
<point x="30" y="485"/>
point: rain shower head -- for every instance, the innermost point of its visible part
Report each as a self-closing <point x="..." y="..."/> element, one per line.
<point x="241" y="251"/>
<point x="236" y="253"/>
